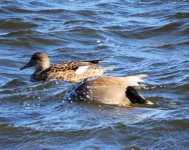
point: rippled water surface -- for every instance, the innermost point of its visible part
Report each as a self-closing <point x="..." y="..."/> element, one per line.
<point x="134" y="36"/>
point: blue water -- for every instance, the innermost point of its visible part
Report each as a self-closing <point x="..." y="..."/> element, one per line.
<point x="133" y="36"/>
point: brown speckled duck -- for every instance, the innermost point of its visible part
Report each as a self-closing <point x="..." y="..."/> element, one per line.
<point x="67" y="71"/>
<point x="120" y="91"/>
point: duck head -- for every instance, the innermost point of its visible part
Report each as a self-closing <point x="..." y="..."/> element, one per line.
<point x="38" y="60"/>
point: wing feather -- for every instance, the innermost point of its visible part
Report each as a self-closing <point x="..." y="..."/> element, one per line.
<point x="104" y="81"/>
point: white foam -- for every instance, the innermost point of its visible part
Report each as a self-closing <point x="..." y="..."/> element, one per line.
<point x="98" y="41"/>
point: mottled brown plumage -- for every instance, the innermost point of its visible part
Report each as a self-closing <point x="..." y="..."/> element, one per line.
<point x="67" y="71"/>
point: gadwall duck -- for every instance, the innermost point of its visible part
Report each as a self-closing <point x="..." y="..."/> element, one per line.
<point x="67" y="71"/>
<point x="120" y="91"/>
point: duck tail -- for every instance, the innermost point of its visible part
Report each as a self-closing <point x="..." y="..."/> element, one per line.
<point x="136" y="80"/>
<point x="135" y="97"/>
<point x="95" y="61"/>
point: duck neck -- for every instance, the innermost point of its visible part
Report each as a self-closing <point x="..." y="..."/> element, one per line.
<point x="41" y="67"/>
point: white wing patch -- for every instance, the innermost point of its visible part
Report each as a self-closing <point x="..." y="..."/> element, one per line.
<point x="81" y="69"/>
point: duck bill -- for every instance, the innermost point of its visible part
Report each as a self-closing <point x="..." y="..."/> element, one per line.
<point x="29" y="64"/>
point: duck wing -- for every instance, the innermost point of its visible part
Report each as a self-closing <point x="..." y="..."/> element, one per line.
<point x="71" y="65"/>
<point x="104" y="81"/>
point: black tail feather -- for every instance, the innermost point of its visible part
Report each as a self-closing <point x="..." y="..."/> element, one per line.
<point x="134" y="96"/>
<point x="94" y="61"/>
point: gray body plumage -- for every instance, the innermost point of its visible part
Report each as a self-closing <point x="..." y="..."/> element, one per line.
<point x="109" y="90"/>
